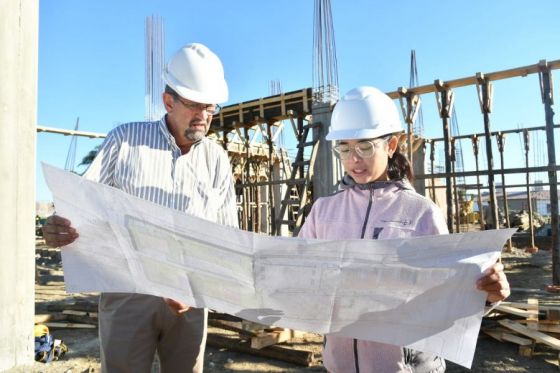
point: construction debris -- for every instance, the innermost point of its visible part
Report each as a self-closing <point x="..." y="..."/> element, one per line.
<point x="529" y="325"/>
<point x="288" y="345"/>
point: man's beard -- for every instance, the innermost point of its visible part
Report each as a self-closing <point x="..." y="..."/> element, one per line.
<point x="195" y="134"/>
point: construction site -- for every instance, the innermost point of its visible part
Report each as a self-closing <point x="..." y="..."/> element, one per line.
<point x="282" y="163"/>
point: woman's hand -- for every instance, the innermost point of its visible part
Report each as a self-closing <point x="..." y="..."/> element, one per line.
<point x="494" y="283"/>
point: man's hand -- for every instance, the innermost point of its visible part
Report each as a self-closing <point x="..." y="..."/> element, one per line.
<point x="178" y="307"/>
<point x="495" y="283"/>
<point x="58" y="231"/>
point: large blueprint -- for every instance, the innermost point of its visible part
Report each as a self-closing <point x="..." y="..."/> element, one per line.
<point x="417" y="292"/>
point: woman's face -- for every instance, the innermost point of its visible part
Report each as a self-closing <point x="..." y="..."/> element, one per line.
<point x="367" y="160"/>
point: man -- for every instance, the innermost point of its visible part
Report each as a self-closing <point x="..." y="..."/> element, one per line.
<point x="172" y="163"/>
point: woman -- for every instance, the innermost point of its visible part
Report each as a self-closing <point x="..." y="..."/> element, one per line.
<point x="377" y="201"/>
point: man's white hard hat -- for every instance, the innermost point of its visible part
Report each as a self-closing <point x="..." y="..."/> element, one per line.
<point x="364" y="113"/>
<point x="197" y="74"/>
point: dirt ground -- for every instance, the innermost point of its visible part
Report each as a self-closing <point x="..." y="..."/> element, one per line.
<point x="528" y="274"/>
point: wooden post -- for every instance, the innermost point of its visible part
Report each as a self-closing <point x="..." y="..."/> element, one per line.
<point x="485" y="90"/>
<point x="455" y="188"/>
<point x="527" y="180"/>
<point x="409" y="111"/>
<point x="271" y="209"/>
<point x="247" y="179"/>
<point x="445" y="98"/>
<point x="545" y="79"/>
<point x="432" y="159"/>
<point x="475" y="139"/>
<point x="501" y="139"/>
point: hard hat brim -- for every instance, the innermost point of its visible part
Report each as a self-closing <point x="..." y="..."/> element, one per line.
<point x="219" y="97"/>
<point x="359" y="134"/>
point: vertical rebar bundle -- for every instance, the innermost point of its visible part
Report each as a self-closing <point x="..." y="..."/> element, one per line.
<point x="325" y="69"/>
<point x="419" y="123"/>
<point x="155" y="46"/>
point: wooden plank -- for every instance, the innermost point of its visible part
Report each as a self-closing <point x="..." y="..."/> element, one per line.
<point x="283" y="353"/>
<point x="270" y="338"/>
<point x="223" y="316"/>
<point x="69" y="325"/>
<point x="533" y="320"/>
<point x="502" y="336"/>
<point x="515" y="311"/>
<point x="526" y="346"/>
<point x="234" y="326"/>
<point x="72" y="312"/>
<point x="548" y="328"/>
<point x="43" y="318"/>
<point x="472" y="80"/>
<point x="78" y="319"/>
<point x="517" y="339"/>
<point x="521" y="305"/>
<point x="536" y="335"/>
<point x="253" y="327"/>
<point x="77" y="306"/>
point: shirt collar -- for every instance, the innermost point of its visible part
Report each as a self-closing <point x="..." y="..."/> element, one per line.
<point x="348" y="182"/>
<point x="162" y="124"/>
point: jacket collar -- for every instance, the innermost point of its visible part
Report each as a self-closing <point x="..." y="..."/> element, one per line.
<point x="348" y="182"/>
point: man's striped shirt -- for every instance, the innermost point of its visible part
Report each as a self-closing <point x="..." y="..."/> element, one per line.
<point x="144" y="160"/>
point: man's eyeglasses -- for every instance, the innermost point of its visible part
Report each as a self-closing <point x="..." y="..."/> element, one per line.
<point x="210" y="109"/>
<point x="364" y="149"/>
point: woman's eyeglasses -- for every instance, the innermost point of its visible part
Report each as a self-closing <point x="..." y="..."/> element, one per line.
<point x="364" y="149"/>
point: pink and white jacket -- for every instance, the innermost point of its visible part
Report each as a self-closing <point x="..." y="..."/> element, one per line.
<point x="378" y="210"/>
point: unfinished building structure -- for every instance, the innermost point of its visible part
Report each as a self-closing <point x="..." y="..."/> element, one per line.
<point x="275" y="194"/>
<point x="275" y="189"/>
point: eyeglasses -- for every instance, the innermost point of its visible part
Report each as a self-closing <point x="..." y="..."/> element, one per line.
<point x="210" y="109"/>
<point x="364" y="149"/>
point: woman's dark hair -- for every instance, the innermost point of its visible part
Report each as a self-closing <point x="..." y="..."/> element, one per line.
<point x="399" y="167"/>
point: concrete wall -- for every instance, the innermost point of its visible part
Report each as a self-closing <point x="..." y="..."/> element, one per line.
<point x="328" y="169"/>
<point x="18" y="113"/>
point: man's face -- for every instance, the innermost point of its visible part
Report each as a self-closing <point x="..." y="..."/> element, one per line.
<point x="189" y="121"/>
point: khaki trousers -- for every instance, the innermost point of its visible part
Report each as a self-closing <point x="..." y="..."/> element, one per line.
<point x="132" y="327"/>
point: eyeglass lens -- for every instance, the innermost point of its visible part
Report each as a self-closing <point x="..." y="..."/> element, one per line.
<point x="365" y="149"/>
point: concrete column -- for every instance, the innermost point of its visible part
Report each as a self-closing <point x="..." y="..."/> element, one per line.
<point x="328" y="170"/>
<point x="18" y="116"/>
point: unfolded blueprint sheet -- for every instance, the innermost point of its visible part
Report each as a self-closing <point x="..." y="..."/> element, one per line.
<point x="417" y="292"/>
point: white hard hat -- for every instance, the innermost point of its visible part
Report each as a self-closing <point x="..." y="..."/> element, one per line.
<point x="364" y="113"/>
<point x="197" y="74"/>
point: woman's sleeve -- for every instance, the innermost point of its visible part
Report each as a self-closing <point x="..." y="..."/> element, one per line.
<point x="433" y="222"/>
<point x="308" y="230"/>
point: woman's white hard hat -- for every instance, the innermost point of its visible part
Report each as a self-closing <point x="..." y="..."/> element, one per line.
<point x="364" y="113"/>
<point x="197" y="74"/>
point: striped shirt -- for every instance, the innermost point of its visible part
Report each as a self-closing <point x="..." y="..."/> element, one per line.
<point x="144" y="160"/>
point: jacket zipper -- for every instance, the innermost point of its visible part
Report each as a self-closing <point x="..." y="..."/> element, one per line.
<point x="370" y="203"/>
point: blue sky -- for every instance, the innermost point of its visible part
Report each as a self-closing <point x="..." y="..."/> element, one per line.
<point x="91" y="56"/>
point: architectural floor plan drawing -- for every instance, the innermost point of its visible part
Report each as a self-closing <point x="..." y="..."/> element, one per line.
<point x="418" y="292"/>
